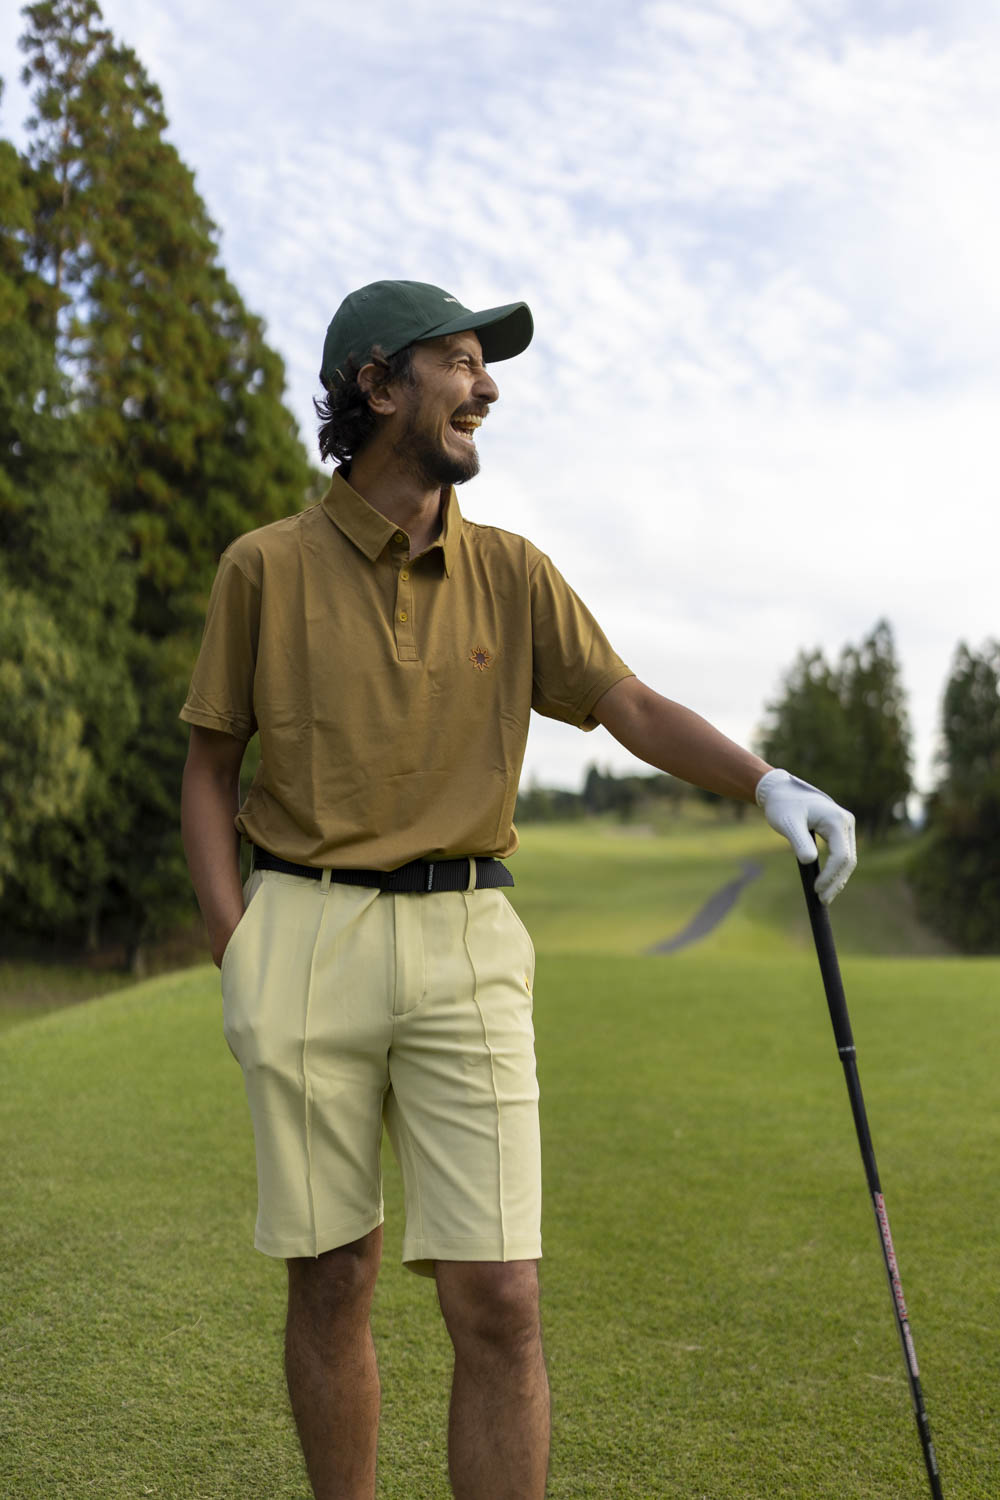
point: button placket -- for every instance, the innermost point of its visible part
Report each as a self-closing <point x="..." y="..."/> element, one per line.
<point x="406" y="643"/>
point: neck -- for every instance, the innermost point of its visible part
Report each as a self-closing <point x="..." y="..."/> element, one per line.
<point x="403" y="497"/>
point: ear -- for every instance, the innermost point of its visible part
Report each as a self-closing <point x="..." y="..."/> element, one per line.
<point x="371" y="379"/>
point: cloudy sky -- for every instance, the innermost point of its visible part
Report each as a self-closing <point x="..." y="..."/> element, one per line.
<point x="760" y="240"/>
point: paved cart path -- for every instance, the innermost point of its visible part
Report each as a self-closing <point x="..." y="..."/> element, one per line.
<point x="712" y="913"/>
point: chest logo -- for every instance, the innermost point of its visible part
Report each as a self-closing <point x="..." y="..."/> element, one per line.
<point x="480" y="658"/>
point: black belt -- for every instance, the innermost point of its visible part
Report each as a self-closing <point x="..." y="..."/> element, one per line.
<point x="418" y="877"/>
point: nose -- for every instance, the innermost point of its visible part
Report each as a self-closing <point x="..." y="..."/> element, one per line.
<point x="486" y="387"/>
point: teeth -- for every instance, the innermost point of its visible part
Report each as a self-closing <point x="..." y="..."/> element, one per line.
<point x="470" y="423"/>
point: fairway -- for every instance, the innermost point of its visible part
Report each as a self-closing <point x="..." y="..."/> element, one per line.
<point x="716" y="1313"/>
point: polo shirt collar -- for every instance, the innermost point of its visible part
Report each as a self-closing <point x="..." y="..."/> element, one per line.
<point x="371" y="532"/>
<point x="451" y="530"/>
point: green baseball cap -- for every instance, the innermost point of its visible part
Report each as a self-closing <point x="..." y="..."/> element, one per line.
<point x="393" y="314"/>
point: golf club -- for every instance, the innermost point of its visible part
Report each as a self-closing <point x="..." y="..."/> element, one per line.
<point x="830" y="969"/>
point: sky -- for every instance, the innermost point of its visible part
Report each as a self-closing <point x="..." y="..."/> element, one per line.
<point x="760" y="242"/>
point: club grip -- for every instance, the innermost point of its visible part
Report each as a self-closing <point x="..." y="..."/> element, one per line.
<point x="826" y="952"/>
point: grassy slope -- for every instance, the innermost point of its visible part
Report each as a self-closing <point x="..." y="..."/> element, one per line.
<point x="603" y="888"/>
<point x="717" y="1319"/>
<point x="30" y="988"/>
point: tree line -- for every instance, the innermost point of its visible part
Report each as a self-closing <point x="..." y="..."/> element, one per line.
<point x="624" y="797"/>
<point x="142" y="428"/>
<point x="845" y="727"/>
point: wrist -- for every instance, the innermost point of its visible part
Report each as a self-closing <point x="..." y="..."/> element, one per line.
<point x="771" y="778"/>
<point x="221" y="928"/>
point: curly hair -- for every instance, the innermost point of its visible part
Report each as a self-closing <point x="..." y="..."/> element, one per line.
<point x="346" y="419"/>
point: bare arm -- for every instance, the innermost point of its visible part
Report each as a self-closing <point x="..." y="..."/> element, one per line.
<point x="210" y="798"/>
<point x="670" y="737"/>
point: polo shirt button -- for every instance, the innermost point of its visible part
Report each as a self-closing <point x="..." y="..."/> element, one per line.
<point x="399" y="537"/>
<point x="404" y="575"/>
<point x="403" y="615"/>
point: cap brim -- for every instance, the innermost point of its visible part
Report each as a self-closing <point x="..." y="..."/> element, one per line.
<point x="503" y="331"/>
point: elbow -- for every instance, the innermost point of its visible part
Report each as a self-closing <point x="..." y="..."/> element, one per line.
<point x="627" y="712"/>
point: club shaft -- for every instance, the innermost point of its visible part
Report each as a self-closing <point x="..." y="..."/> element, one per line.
<point x="826" y="952"/>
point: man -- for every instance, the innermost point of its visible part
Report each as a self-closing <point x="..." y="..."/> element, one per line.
<point x="389" y="654"/>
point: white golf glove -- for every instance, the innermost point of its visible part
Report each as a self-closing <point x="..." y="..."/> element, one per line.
<point x="793" y="808"/>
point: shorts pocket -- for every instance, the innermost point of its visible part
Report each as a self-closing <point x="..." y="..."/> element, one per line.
<point x="525" y="936"/>
<point x="250" y="890"/>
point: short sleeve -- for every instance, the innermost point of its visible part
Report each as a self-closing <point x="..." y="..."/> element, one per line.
<point x="221" y="691"/>
<point x="573" y="664"/>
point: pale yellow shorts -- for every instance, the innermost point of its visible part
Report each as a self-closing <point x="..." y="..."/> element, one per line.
<point x="346" y="1007"/>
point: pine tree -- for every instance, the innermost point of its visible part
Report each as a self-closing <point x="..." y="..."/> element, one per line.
<point x="44" y="767"/>
<point x="846" y="730"/>
<point x="970" y="725"/>
<point x="956" y="876"/>
<point x="805" y="728"/>
<point x="190" y="442"/>
<point x="877" y="775"/>
<point x="67" y="601"/>
<point x="183" y="394"/>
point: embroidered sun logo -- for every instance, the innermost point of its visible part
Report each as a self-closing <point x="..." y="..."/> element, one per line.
<point x="480" y="658"/>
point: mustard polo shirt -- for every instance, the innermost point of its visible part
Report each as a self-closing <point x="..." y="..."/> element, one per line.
<point x="392" y="695"/>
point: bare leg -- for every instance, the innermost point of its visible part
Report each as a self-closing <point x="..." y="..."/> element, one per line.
<point x="330" y="1366"/>
<point x="498" y="1438"/>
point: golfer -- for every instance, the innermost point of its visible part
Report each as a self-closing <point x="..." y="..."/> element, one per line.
<point x="388" y="653"/>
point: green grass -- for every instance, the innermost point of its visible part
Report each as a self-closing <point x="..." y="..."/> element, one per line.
<point x="30" y="988"/>
<point x="717" y="1319"/>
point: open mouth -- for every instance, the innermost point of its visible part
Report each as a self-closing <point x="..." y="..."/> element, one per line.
<point x="465" y="426"/>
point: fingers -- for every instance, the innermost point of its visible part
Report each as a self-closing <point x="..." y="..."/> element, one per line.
<point x="796" y="809"/>
<point x="841" y="859"/>
<point x="802" y="843"/>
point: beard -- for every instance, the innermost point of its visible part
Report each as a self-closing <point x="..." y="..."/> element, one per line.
<point x="430" y="462"/>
